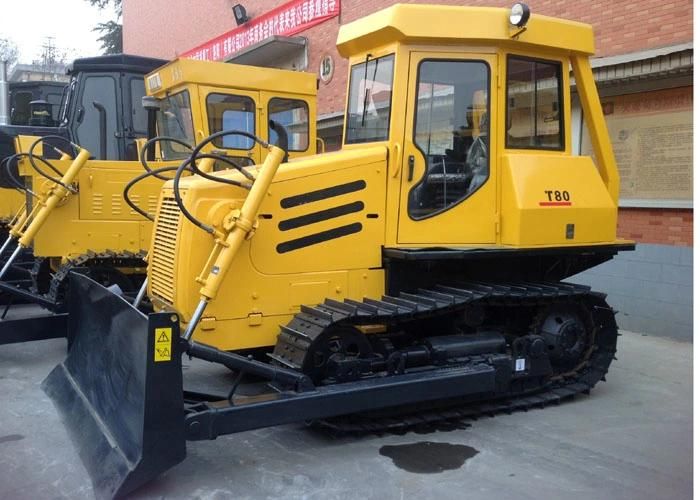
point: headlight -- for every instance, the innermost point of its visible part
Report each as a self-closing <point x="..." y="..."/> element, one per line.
<point x="519" y="15"/>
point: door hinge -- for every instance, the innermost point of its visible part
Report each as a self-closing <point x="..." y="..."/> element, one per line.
<point x="498" y="224"/>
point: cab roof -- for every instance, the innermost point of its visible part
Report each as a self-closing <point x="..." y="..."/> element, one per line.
<point x="453" y="25"/>
<point x="227" y="75"/>
<point x="117" y="63"/>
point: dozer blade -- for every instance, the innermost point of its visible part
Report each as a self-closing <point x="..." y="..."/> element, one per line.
<point x="124" y="413"/>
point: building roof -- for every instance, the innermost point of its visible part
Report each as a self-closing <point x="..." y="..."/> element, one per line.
<point x="450" y="25"/>
<point x="55" y="72"/>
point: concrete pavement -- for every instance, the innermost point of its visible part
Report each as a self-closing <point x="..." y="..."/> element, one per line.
<point x="631" y="439"/>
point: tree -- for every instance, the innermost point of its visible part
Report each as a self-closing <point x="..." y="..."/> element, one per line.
<point x="111" y="31"/>
<point x="111" y="38"/>
<point x="8" y="52"/>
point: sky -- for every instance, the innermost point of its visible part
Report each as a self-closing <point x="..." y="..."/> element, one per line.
<point x="28" y="22"/>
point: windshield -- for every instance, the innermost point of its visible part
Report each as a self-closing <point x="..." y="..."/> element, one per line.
<point x="369" y="101"/>
<point x="175" y="120"/>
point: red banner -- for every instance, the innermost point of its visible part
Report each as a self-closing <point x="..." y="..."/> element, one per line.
<point x="288" y="19"/>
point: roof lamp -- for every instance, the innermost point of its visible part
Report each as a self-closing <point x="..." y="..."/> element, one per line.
<point x="239" y="14"/>
<point x="519" y="15"/>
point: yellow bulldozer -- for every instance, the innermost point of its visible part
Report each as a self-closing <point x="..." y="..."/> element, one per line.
<point x="77" y="214"/>
<point x="412" y="276"/>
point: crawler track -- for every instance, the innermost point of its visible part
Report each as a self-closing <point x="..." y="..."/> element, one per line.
<point x="105" y="264"/>
<point x="405" y="310"/>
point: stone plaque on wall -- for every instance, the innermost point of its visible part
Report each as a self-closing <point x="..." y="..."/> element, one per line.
<point x="652" y="137"/>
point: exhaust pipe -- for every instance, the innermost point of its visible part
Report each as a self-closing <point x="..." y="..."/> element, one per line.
<point x="4" y="95"/>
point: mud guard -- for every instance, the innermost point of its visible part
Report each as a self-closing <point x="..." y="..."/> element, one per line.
<point x="119" y="391"/>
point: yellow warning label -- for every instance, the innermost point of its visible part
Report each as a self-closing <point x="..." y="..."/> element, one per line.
<point x="164" y="344"/>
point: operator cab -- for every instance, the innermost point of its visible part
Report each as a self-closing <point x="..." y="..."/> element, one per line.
<point x="477" y="125"/>
<point x="195" y="99"/>
<point x="101" y="106"/>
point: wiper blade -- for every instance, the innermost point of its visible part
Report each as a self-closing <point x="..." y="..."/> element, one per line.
<point x="365" y="104"/>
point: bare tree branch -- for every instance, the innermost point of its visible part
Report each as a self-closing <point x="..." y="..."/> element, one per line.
<point x="9" y="52"/>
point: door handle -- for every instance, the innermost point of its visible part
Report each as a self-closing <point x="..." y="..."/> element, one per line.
<point x="411" y="166"/>
<point x="396" y="160"/>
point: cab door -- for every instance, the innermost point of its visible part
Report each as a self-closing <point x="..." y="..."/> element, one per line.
<point x="228" y="109"/>
<point x="294" y="112"/>
<point x="448" y="185"/>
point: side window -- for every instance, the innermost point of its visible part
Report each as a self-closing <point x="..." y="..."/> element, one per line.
<point x="139" y="116"/>
<point x="534" y="117"/>
<point x="369" y="100"/>
<point x="103" y="90"/>
<point x="451" y="129"/>
<point x="231" y="112"/>
<point x="20" y="107"/>
<point x="294" y="115"/>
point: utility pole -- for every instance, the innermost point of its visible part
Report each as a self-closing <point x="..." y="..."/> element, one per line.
<point x="48" y="57"/>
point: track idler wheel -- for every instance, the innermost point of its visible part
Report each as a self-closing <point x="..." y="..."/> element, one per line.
<point x="567" y="331"/>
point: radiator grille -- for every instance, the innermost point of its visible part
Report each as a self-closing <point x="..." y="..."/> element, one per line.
<point x="162" y="273"/>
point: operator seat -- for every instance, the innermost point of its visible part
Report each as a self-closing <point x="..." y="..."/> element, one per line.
<point x="478" y="157"/>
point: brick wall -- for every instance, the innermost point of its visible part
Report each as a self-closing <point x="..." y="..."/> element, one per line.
<point x="165" y="28"/>
<point x="664" y="226"/>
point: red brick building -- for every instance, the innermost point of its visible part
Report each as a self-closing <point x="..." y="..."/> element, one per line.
<point x="643" y="66"/>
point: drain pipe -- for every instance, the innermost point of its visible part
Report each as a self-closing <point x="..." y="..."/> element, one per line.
<point x="4" y="95"/>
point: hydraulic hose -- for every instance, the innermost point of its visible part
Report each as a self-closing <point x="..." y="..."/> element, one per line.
<point x="150" y="172"/>
<point x="6" y="166"/>
<point x="191" y="161"/>
<point x="149" y="143"/>
<point x="32" y="159"/>
<point x="136" y="180"/>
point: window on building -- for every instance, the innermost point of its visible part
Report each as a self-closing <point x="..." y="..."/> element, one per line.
<point x="231" y="112"/>
<point x="293" y="114"/>
<point x="369" y="101"/>
<point x="175" y="120"/>
<point x="534" y="116"/>
<point x="451" y="130"/>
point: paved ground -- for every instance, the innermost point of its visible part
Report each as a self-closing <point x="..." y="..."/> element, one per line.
<point x="632" y="438"/>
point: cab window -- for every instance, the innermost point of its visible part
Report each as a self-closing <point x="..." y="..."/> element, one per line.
<point x="293" y="114"/>
<point x="139" y="116"/>
<point x="369" y="100"/>
<point x="55" y="101"/>
<point x="20" y="108"/>
<point x="534" y="117"/>
<point x="231" y="112"/>
<point x="101" y="89"/>
<point x="451" y="130"/>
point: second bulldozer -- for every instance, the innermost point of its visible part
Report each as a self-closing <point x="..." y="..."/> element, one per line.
<point x="91" y="227"/>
